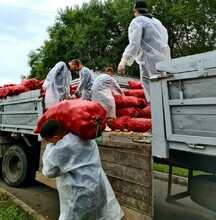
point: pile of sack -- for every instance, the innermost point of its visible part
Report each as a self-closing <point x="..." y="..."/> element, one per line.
<point x="132" y="111"/>
<point x="88" y="119"/>
<point x="25" y="86"/>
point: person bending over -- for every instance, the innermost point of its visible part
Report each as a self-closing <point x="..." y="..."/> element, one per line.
<point x="103" y="87"/>
<point x="84" y="190"/>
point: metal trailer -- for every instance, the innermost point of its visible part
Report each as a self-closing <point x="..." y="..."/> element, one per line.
<point x="183" y="106"/>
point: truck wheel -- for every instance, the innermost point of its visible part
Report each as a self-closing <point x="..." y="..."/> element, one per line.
<point x="202" y="189"/>
<point x="14" y="166"/>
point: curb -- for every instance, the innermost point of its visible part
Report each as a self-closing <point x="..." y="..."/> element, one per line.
<point x="175" y="179"/>
<point x="24" y="206"/>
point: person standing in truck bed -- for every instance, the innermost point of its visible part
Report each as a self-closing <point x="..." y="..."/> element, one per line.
<point x="103" y="87"/>
<point x="148" y="44"/>
<point x="86" y="80"/>
<point x="57" y="83"/>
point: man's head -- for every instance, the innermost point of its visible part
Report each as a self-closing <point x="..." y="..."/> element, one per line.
<point x="75" y="65"/>
<point x="140" y="7"/>
<point x="109" y="71"/>
<point x="52" y="131"/>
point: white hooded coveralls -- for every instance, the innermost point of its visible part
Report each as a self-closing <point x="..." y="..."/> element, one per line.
<point x="86" y="81"/>
<point x="57" y="84"/>
<point x="102" y="89"/>
<point x="148" y="44"/>
<point x="84" y="190"/>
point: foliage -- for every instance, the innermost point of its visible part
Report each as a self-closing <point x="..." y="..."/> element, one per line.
<point x="97" y="32"/>
<point x="191" y="24"/>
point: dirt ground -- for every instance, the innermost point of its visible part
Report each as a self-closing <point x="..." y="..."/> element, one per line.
<point x="44" y="200"/>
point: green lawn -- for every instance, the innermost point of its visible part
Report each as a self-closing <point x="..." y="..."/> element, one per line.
<point x="11" y="211"/>
<point x="176" y="170"/>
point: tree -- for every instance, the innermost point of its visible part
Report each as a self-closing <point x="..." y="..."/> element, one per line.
<point x="191" y="24"/>
<point x="97" y="32"/>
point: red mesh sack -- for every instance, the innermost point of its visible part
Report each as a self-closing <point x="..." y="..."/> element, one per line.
<point x="139" y="93"/>
<point x="17" y="89"/>
<point x="3" y="93"/>
<point x="119" y="123"/>
<point x="84" y="118"/>
<point x="73" y="89"/>
<point x="145" y="112"/>
<point x="139" y="124"/>
<point x="130" y="111"/>
<point x="7" y="85"/>
<point x="32" y="83"/>
<point x="129" y="101"/>
<point x="134" y="84"/>
<point x="10" y="90"/>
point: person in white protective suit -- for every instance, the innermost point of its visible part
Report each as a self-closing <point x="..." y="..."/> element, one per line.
<point x="148" y="44"/>
<point x="102" y="89"/>
<point x="84" y="190"/>
<point x="57" y="84"/>
<point x="86" y="80"/>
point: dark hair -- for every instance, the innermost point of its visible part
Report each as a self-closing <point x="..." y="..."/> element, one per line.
<point x="76" y="62"/>
<point x="50" y="128"/>
<point x="109" y="69"/>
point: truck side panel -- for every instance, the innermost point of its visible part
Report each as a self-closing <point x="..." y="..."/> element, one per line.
<point x="188" y="104"/>
<point x="20" y="113"/>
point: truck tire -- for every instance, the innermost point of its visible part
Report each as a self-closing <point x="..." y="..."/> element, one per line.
<point x="202" y="189"/>
<point x="15" y="166"/>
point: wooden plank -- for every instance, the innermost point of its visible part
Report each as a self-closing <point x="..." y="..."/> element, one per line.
<point x="137" y="191"/>
<point x="122" y="136"/>
<point x="128" y="173"/>
<point x="135" y="204"/>
<point x="129" y="147"/>
<point x="51" y="182"/>
<point x="129" y="159"/>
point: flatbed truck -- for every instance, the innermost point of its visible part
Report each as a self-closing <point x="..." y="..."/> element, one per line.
<point x="183" y="109"/>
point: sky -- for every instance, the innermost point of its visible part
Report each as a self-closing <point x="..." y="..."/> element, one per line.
<point x="23" y="27"/>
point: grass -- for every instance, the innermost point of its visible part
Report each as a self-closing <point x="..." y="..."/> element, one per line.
<point x="176" y="170"/>
<point x="9" y="210"/>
